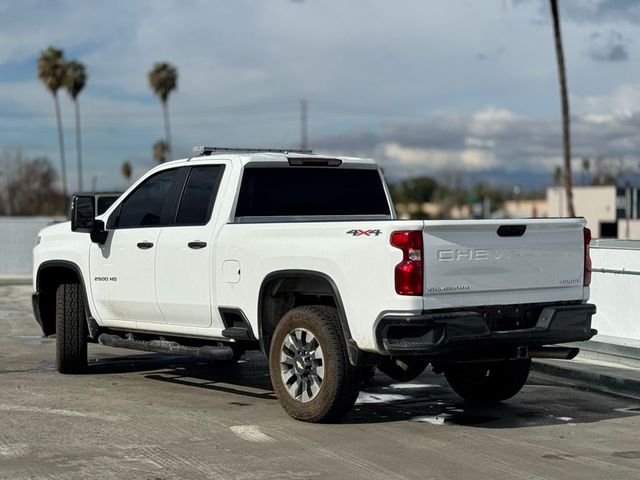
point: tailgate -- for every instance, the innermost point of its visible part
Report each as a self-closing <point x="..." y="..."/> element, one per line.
<point x="494" y="262"/>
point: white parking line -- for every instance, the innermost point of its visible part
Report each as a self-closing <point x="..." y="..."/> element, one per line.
<point x="57" y="411"/>
<point x="366" y="397"/>
<point x="14" y="450"/>
<point x="251" y="433"/>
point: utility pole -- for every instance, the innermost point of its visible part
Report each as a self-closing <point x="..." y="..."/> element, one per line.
<point x="628" y="206"/>
<point x="304" y="138"/>
<point x="6" y="197"/>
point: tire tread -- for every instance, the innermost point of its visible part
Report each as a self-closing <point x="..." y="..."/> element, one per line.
<point x="71" y="329"/>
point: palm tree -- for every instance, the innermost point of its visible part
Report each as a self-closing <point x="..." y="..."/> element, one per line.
<point x="75" y="78"/>
<point x="51" y="66"/>
<point x="126" y="170"/>
<point x="586" y="166"/>
<point x="160" y="151"/>
<point x="557" y="176"/>
<point x="566" y="135"/>
<point x="163" y="79"/>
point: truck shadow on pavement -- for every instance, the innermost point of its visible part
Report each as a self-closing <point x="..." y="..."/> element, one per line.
<point x="428" y="399"/>
<point x="249" y="379"/>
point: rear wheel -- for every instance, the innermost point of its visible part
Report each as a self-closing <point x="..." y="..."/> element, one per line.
<point x="71" y="329"/>
<point x="488" y="382"/>
<point x="309" y="365"/>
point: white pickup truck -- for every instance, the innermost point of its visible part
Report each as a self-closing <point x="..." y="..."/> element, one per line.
<point x="302" y="256"/>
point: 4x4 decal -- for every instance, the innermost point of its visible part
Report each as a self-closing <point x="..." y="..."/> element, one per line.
<point x="366" y="233"/>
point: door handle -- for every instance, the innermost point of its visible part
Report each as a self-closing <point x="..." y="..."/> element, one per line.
<point x="145" y="245"/>
<point x="197" y="245"/>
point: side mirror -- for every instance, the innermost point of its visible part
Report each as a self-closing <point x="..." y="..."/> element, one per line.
<point x="83" y="213"/>
<point x="99" y="234"/>
<point x="83" y="218"/>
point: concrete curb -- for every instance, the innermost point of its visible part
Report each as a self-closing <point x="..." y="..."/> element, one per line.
<point x="15" y="280"/>
<point x="612" y="350"/>
<point x="592" y="376"/>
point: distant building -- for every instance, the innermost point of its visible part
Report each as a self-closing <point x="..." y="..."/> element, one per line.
<point x="524" y="209"/>
<point x="610" y="211"/>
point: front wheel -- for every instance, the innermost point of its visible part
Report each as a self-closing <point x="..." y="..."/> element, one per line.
<point x="309" y="365"/>
<point x="489" y="382"/>
<point x="71" y="329"/>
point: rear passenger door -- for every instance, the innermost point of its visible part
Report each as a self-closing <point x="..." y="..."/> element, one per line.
<point x="185" y="254"/>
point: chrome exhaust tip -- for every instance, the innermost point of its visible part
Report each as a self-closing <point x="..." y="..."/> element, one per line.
<point x="558" y="353"/>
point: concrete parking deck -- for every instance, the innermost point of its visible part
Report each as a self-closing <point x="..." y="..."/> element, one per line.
<point x="149" y="416"/>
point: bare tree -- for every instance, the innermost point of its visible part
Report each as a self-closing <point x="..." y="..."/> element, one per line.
<point x="31" y="186"/>
<point x="564" y="98"/>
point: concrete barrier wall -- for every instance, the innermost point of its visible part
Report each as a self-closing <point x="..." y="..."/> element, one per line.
<point x="615" y="288"/>
<point x="17" y="238"/>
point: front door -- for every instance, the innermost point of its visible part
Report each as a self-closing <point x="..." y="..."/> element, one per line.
<point x="123" y="268"/>
<point x="122" y="276"/>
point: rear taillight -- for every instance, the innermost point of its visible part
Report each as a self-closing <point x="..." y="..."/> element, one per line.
<point x="409" y="272"/>
<point x="587" y="258"/>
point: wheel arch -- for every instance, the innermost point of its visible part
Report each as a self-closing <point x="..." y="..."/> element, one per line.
<point x="50" y="275"/>
<point x="283" y="290"/>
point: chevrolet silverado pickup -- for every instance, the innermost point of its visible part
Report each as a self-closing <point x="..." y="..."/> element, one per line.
<point x="302" y="256"/>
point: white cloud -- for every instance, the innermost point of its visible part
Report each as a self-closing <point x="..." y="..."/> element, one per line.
<point x="479" y="142"/>
<point x="623" y="102"/>
<point x="502" y="145"/>
<point x="491" y="121"/>
<point x="439" y="159"/>
<point x="493" y="114"/>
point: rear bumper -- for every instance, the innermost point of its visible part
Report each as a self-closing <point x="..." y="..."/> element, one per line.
<point x="467" y="333"/>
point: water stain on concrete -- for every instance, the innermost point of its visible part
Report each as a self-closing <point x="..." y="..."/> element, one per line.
<point x="630" y="454"/>
<point x="455" y="419"/>
<point x="627" y="410"/>
<point x="33" y="340"/>
<point x="557" y="456"/>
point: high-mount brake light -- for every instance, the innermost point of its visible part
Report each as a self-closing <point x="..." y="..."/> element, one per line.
<point x="314" y="162"/>
<point x="409" y="272"/>
<point x="587" y="257"/>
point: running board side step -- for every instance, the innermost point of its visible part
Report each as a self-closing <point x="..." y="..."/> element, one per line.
<point x="237" y="333"/>
<point x="209" y="352"/>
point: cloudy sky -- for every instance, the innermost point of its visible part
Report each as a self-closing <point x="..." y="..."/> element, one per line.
<point x="423" y="86"/>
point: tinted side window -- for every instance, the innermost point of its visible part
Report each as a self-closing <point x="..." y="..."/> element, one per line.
<point x="199" y="195"/>
<point x="145" y="205"/>
<point x="301" y="191"/>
